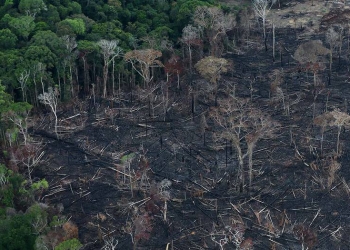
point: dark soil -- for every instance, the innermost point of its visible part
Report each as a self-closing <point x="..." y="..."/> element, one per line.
<point x="288" y="206"/>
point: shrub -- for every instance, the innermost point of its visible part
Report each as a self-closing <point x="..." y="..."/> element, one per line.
<point x="72" y="244"/>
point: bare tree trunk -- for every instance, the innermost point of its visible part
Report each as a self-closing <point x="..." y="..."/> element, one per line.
<point x="59" y="80"/>
<point x="250" y="161"/>
<point x="77" y="78"/>
<point x="330" y="65"/>
<point x="119" y="83"/>
<point x="190" y="57"/>
<point x="71" y="80"/>
<point x="322" y="139"/>
<point x="240" y="163"/>
<point x="85" y="75"/>
<point x="273" y="41"/>
<point x="105" y="77"/>
<point x="338" y="139"/>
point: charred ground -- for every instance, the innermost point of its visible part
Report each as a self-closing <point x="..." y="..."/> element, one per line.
<point x="110" y="167"/>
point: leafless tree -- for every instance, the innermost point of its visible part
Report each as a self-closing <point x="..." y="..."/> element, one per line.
<point x="215" y="24"/>
<point x="190" y="37"/>
<point x="18" y="115"/>
<point x="242" y="125"/>
<point x="174" y="66"/>
<point x="51" y="98"/>
<point x="335" y="118"/>
<point x="110" y="243"/>
<point x="22" y="79"/>
<point x="334" y="41"/>
<point x="110" y="50"/>
<point x="261" y="9"/>
<point x="310" y="54"/>
<point x="70" y="44"/>
<point x="211" y="69"/>
<point x="29" y="156"/>
<point x="143" y="61"/>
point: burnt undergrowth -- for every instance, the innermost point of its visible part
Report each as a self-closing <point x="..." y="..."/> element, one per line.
<point x="151" y="173"/>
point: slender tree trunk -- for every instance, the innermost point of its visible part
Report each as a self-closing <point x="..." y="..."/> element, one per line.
<point x="77" y="78"/>
<point x="322" y="139"/>
<point x="59" y="82"/>
<point x="190" y="58"/>
<point x="113" y="80"/>
<point x="105" y="76"/>
<point x="119" y="83"/>
<point x="35" y="92"/>
<point x="250" y="161"/>
<point x="273" y="41"/>
<point x="240" y="164"/>
<point x="71" y="80"/>
<point x="338" y="139"/>
<point x="330" y="66"/>
<point x="85" y="75"/>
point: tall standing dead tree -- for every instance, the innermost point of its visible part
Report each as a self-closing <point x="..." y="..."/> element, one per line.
<point x="70" y="44"/>
<point x="51" y="98"/>
<point x="190" y="37"/>
<point x="215" y="24"/>
<point x="242" y="125"/>
<point x="110" y="50"/>
<point x="334" y="39"/>
<point x="261" y="9"/>
<point x="142" y="62"/>
<point x="309" y="54"/>
<point x="335" y="118"/>
<point x="211" y="69"/>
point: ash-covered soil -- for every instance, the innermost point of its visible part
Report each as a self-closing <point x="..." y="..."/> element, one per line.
<point x="146" y="169"/>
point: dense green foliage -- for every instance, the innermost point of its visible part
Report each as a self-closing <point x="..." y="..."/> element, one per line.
<point x="33" y="39"/>
<point x="16" y="233"/>
<point x="73" y="244"/>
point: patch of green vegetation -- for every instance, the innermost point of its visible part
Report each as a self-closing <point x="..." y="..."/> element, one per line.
<point x="72" y="244"/>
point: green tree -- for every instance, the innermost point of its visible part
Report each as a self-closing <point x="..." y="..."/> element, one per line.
<point x="184" y="10"/>
<point x="72" y="244"/>
<point x="71" y="27"/>
<point x="51" y="16"/>
<point x="16" y="233"/>
<point x="22" y="26"/>
<point x="31" y="7"/>
<point x="49" y="39"/>
<point x="85" y="48"/>
<point x="9" y="61"/>
<point x="5" y="99"/>
<point x="41" y="54"/>
<point x="8" y="40"/>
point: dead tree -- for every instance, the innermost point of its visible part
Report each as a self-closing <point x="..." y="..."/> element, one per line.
<point x="18" y="114"/>
<point x="190" y="38"/>
<point x="309" y="54"/>
<point x="332" y="38"/>
<point x="335" y="118"/>
<point x="142" y="61"/>
<point x="211" y="68"/>
<point x="174" y="66"/>
<point x="110" y="50"/>
<point x="70" y="44"/>
<point x="242" y="125"/>
<point x="51" y="98"/>
<point x="215" y="24"/>
<point x="261" y="9"/>
<point x="28" y="156"/>
<point x="22" y="79"/>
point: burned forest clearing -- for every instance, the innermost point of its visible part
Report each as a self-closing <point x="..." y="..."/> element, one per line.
<point x="240" y="141"/>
